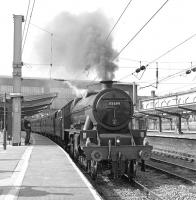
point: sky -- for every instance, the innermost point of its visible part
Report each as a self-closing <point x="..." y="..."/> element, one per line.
<point x="170" y="27"/>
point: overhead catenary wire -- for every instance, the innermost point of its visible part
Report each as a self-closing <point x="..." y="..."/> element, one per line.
<point x="162" y="55"/>
<point x="173" y="48"/>
<point x="137" y="33"/>
<point x="26" y="18"/>
<point x="51" y="46"/>
<point x="169" y="76"/>
<point x="186" y="85"/>
<point x="171" y="68"/>
<point x="28" y="26"/>
<point x="118" y="20"/>
<point x="40" y="28"/>
<point x="161" y="62"/>
<point x="168" y="83"/>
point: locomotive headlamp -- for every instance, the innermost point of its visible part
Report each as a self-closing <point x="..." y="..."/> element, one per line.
<point x="117" y="141"/>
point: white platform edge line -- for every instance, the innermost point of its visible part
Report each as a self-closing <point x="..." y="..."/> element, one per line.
<point x="17" y="177"/>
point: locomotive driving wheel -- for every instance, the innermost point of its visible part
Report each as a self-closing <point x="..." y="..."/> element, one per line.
<point x="71" y="148"/>
<point x="93" y="169"/>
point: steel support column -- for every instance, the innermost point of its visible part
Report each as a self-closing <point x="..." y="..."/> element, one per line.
<point x="160" y="124"/>
<point x="179" y="117"/>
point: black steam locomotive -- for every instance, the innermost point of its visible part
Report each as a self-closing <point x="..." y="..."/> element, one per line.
<point x="97" y="132"/>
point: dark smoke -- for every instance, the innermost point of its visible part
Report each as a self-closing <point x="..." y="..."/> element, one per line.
<point x="79" y="46"/>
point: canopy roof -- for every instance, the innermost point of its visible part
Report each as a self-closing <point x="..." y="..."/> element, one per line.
<point x="31" y="104"/>
<point x="164" y="112"/>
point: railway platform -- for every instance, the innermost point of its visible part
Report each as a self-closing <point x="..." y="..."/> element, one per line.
<point x="183" y="143"/>
<point x="173" y="147"/>
<point x="41" y="171"/>
<point x="171" y="134"/>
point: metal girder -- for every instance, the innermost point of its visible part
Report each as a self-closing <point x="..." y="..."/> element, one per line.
<point x="150" y="114"/>
<point x="188" y="109"/>
<point x="169" y="113"/>
<point x="154" y="115"/>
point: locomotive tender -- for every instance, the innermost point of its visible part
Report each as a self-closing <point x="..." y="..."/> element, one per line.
<point x="97" y="132"/>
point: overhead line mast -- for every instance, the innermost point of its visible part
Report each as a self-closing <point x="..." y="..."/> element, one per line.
<point x="17" y="73"/>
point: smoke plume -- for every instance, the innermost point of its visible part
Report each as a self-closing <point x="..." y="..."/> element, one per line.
<point x="79" y="46"/>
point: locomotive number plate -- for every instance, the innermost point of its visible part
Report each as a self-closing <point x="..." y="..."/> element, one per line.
<point x="114" y="103"/>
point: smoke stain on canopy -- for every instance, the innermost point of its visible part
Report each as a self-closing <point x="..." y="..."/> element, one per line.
<point x="79" y="45"/>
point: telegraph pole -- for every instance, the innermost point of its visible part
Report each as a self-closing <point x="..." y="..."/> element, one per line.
<point x="16" y="95"/>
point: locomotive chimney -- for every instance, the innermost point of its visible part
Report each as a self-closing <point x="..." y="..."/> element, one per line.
<point x="107" y="84"/>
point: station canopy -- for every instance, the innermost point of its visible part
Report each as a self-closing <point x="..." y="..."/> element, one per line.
<point x="35" y="104"/>
<point x="31" y="105"/>
<point x="166" y="111"/>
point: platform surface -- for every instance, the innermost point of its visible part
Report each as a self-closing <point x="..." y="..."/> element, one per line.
<point x="41" y="171"/>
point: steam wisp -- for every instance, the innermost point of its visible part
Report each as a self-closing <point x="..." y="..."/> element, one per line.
<point x="78" y="92"/>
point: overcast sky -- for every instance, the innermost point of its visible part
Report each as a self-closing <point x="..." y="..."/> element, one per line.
<point x="171" y="26"/>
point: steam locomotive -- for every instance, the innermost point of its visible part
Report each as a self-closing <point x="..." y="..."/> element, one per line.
<point x="97" y="132"/>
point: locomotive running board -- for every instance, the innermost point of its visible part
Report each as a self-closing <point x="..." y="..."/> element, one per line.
<point x="127" y="152"/>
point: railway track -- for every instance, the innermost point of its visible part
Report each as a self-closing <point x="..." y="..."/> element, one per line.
<point x="174" y="164"/>
<point x="149" y="194"/>
<point x="120" y="189"/>
<point x="174" y="170"/>
<point x="117" y="189"/>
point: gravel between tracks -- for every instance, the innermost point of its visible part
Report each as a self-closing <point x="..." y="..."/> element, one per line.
<point x="118" y="190"/>
<point x="164" y="186"/>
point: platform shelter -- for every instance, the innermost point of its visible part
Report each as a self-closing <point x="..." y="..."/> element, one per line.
<point x="30" y="105"/>
<point x="172" y="107"/>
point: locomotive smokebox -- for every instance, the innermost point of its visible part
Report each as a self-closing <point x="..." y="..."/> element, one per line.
<point x="107" y="84"/>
